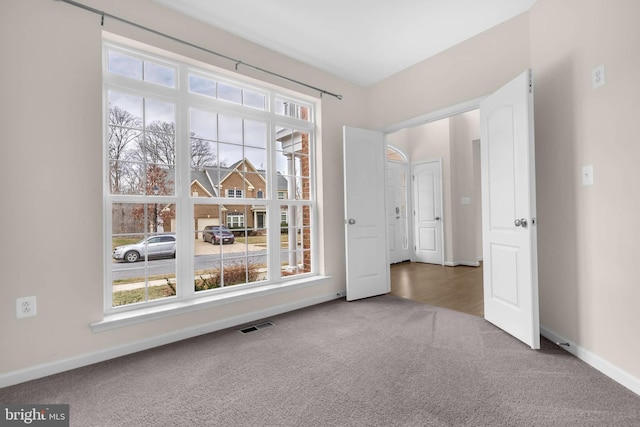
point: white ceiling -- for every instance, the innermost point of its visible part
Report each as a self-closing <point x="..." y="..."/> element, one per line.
<point x="362" y="41"/>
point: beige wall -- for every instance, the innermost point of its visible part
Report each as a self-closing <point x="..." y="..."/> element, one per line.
<point x="51" y="177"/>
<point x="587" y="235"/>
<point x="464" y="129"/>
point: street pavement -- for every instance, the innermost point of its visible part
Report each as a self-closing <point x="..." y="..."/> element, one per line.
<point x="201" y="248"/>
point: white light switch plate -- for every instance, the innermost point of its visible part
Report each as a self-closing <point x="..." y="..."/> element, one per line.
<point x="587" y="175"/>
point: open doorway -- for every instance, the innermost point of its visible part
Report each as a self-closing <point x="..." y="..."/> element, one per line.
<point x="457" y="284"/>
<point x="398" y="206"/>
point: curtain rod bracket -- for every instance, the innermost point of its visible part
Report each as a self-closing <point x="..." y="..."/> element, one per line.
<point x="102" y="20"/>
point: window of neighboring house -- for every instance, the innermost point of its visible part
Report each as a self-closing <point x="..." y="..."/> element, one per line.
<point x="235" y="220"/>
<point x="162" y="137"/>
<point x="283" y="217"/>
<point x="232" y="192"/>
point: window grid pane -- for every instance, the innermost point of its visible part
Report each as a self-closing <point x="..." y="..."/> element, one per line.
<point x="295" y="248"/>
<point x="141" y="235"/>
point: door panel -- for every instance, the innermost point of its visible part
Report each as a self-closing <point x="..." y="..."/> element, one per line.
<point x="365" y="215"/>
<point x="508" y="210"/>
<point x="501" y="168"/>
<point x="427" y="198"/>
<point x="427" y="239"/>
<point x="503" y="265"/>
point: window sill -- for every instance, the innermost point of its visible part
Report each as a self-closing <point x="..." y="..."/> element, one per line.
<point x="132" y="317"/>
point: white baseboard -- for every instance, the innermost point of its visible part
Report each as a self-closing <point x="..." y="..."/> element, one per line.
<point x="464" y="263"/>
<point x="45" y="369"/>
<point x="595" y="361"/>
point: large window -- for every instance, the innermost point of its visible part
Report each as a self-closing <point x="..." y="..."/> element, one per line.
<point x="188" y="153"/>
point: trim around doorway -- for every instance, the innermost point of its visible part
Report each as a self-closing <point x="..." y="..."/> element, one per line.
<point x="434" y="116"/>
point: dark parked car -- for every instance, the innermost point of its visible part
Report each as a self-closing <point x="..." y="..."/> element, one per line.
<point x="163" y="245"/>
<point x="217" y="234"/>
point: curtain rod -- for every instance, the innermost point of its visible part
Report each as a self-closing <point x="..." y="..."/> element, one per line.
<point x="218" y="54"/>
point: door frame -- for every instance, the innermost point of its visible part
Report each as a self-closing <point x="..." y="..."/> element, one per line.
<point x="434" y="116"/>
<point x="409" y="207"/>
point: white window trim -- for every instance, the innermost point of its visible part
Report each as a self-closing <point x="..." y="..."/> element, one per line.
<point x="185" y="301"/>
<point x="133" y="317"/>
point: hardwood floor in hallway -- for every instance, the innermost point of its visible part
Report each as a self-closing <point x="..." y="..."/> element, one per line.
<point x="457" y="288"/>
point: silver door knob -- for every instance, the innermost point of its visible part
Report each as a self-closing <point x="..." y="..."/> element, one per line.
<point x="351" y="221"/>
<point x="520" y="223"/>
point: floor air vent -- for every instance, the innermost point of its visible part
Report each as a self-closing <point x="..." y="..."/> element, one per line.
<point x="256" y="327"/>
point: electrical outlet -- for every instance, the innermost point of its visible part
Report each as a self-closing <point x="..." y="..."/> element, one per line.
<point x="26" y="307"/>
<point x="587" y="175"/>
<point x="597" y="77"/>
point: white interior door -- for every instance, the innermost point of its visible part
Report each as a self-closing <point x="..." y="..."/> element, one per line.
<point x="427" y="202"/>
<point x="365" y="218"/>
<point x="397" y="207"/>
<point x="509" y="210"/>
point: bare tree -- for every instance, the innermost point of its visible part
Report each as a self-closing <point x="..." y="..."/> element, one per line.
<point x="159" y="147"/>
<point x="124" y="132"/>
<point x="160" y="144"/>
<point x="201" y="154"/>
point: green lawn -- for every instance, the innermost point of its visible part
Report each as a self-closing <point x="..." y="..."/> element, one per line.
<point x="121" y="241"/>
<point x="141" y="279"/>
<point x="262" y="240"/>
<point x="253" y="240"/>
<point x="137" y="295"/>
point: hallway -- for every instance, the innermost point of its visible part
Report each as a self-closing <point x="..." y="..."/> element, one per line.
<point x="457" y="288"/>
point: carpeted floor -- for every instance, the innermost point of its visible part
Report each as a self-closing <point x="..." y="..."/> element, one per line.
<point x="383" y="361"/>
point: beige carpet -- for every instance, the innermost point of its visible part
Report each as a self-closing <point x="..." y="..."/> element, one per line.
<point x="382" y="361"/>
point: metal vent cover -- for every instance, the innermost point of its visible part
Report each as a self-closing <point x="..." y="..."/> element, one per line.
<point x="256" y="327"/>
